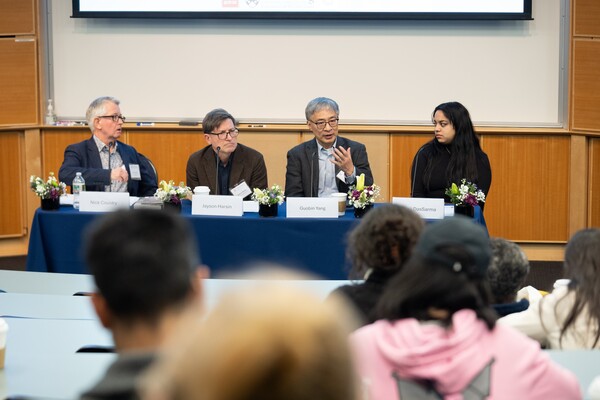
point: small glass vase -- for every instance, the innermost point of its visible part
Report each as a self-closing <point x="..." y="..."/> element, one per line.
<point x="50" y="204"/>
<point x="464" y="209"/>
<point x="267" y="210"/>
<point x="172" y="207"/>
<point x="360" y="212"/>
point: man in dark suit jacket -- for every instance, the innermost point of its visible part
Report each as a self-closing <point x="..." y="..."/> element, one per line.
<point x="129" y="171"/>
<point x="328" y="163"/>
<point x="236" y="162"/>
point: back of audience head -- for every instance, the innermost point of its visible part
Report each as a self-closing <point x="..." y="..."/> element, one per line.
<point x="446" y="273"/>
<point x="264" y="342"/>
<point x="144" y="264"/>
<point x="383" y="240"/>
<point x="582" y="267"/>
<point x="508" y="270"/>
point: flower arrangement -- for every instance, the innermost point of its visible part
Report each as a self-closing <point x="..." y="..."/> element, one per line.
<point x="269" y="196"/>
<point x="360" y="196"/>
<point x="167" y="192"/>
<point x="465" y="194"/>
<point x="50" y="189"/>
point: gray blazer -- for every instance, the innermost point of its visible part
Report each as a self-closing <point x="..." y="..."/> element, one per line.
<point x="302" y="171"/>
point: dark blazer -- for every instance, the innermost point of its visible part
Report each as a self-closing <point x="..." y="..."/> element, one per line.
<point x="302" y="161"/>
<point x="84" y="157"/>
<point x="248" y="164"/>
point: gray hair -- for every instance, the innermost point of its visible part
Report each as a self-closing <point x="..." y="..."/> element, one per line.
<point x="97" y="108"/>
<point x="319" y="104"/>
<point x="214" y="118"/>
<point x="507" y="271"/>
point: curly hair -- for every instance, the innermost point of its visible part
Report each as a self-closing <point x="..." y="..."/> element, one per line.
<point x="384" y="239"/>
<point x="507" y="271"/>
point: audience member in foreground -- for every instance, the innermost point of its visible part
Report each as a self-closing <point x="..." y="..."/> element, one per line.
<point x="507" y="273"/>
<point x="105" y="163"/>
<point x="329" y="163"/>
<point x="235" y="162"/>
<point x="438" y="337"/>
<point x="268" y="342"/>
<point x="453" y="154"/>
<point x="144" y="265"/>
<point x="568" y="318"/>
<point x="378" y="248"/>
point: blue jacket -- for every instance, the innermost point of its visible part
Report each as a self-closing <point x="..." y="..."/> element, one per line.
<point x="84" y="157"/>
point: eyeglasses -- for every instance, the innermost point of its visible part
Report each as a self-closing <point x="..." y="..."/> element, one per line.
<point x="115" y="117"/>
<point x="322" y="124"/>
<point x="223" y="135"/>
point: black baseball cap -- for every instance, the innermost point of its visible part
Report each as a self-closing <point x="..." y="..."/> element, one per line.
<point x="458" y="232"/>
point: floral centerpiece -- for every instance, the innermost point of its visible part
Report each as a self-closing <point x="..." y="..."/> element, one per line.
<point x="48" y="191"/>
<point x="362" y="197"/>
<point x="268" y="199"/>
<point x="467" y="195"/>
<point x="170" y="194"/>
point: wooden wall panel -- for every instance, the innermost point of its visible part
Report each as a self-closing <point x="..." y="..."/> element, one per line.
<point x="403" y="148"/>
<point x="528" y="199"/>
<point x="18" y="81"/>
<point x="17" y="17"/>
<point x="169" y="151"/>
<point x="586" y="17"/>
<point x="585" y="95"/>
<point x="594" y="184"/>
<point x="274" y="147"/>
<point x="12" y="178"/>
<point x="54" y="142"/>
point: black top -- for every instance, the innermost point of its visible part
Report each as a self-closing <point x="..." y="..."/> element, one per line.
<point x="510" y="308"/>
<point x="364" y="296"/>
<point x="224" y="172"/>
<point x="439" y="182"/>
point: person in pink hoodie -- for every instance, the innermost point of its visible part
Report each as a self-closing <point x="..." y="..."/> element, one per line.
<point x="437" y="336"/>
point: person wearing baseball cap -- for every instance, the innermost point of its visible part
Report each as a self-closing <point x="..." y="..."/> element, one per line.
<point x="437" y="334"/>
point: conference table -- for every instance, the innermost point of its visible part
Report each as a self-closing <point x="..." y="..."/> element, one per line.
<point x="226" y="244"/>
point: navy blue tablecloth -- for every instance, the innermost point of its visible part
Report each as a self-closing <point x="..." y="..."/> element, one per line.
<point x="225" y="243"/>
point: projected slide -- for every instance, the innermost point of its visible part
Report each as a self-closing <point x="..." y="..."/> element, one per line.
<point x="334" y="6"/>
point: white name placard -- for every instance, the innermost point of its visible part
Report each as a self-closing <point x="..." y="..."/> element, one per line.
<point x="103" y="201"/>
<point x="250" y="206"/>
<point x="312" y="207"/>
<point x="426" y="208"/>
<point x="226" y="206"/>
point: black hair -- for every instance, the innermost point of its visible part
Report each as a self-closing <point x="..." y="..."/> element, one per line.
<point x="424" y="284"/>
<point x="214" y="118"/>
<point x="463" y="148"/>
<point x="384" y="239"/>
<point x="142" y="262"/>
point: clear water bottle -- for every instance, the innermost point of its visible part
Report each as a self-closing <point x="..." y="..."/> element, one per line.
<point x="78" y="187"/>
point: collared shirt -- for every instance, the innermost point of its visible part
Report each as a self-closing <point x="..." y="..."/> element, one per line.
<point x="327" y="177"/>
<point x="224" y="172"/>
<point x="115" y="162"/>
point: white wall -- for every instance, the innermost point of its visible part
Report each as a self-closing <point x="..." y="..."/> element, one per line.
<point x="505" y="72"/>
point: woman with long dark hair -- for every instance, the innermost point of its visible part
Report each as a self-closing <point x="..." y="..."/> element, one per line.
<point x="437" y="335"/>
<point x="569" y="317"/>
<point x="452" y="155"/>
